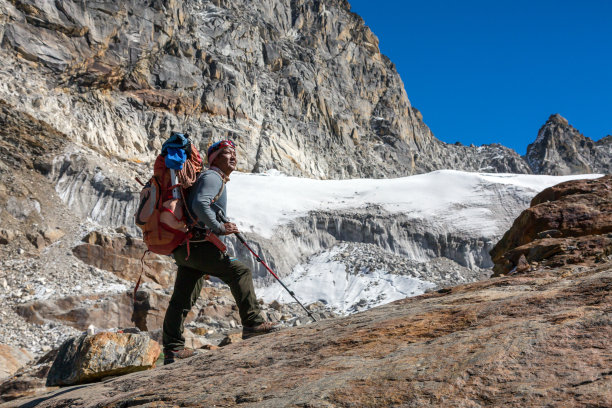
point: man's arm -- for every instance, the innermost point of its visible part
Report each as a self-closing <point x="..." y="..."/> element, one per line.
<point x="205" y="191"/>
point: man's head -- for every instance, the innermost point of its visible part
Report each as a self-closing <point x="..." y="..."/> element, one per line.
<point x="223" y="155"/>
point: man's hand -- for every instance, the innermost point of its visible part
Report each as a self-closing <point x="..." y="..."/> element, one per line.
<point x="230" y="228"/>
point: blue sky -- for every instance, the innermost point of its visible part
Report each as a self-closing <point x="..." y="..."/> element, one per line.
<point x="494" y="71"/>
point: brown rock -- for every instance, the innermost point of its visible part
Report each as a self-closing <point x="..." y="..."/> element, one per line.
<point x="11" y="359"/>
<point x="29" y="380"/>
<point x="89" y="358"/>
<point x="51" y="235"/>
<point x="522" y="264"/>
<point x="209" y="347"/>
<point x="276" y="305"/>
<point x="36" y="239"/>
<point x="42" y="238"/>
<point x="219" y="312"/>
<point x="570" y="215"/>
<point x="231" y="338"/>
<point x="200" y="331"/>
<point x="194" y="340"/>
<point x="6" y="236"/>
<point x="599" y="187"/>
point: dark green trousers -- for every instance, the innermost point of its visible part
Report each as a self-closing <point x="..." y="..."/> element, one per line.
<point x="206" y="259"/>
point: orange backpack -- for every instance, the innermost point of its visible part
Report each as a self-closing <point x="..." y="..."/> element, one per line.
<point x="161" y="212"/>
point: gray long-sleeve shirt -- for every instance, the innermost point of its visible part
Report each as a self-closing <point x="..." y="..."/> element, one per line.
<point x="203" y="192"/>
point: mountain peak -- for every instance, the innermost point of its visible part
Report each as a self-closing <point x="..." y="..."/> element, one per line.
<point x="561" y="149"/>
<point x="557" y="118"/>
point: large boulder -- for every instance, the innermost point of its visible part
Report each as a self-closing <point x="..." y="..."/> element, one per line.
<point x="568" y="223"/>
<point x="88" y="358"/>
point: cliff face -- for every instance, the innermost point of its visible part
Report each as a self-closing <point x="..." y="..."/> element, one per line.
<point x="301" y="85"/>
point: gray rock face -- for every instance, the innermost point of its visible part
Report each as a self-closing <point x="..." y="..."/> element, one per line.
<point x="99" y="191"/>
<point x="561" y="149"/>
<point x="300" y="85"/>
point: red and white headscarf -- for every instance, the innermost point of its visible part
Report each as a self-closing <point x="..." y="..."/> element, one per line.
<point x="216" y="148"/>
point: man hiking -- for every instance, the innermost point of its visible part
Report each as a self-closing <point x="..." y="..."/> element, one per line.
<point x="205" y="258"/>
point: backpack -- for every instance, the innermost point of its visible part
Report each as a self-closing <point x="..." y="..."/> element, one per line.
<point x="161" y="210"/>
<point x="160" y="214"/>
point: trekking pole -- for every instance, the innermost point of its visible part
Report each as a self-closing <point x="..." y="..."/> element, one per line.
<point x="241" y="238"/>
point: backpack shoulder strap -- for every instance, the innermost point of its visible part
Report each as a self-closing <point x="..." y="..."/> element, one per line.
<point x="220" y="192"/>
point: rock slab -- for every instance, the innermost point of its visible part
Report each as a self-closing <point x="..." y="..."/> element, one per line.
<point x="126" y="257"/>
<point x="88" y="358"/>
<point x="539" y="339"/>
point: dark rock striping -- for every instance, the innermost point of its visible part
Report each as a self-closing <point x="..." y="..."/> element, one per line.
<point x="26" y="142"/>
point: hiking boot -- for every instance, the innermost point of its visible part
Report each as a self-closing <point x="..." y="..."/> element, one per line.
<point x="172" y="355"/>
<point x="263" y="328"/>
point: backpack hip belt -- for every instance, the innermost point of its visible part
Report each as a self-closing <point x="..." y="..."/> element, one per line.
<point x="206" y="235"/>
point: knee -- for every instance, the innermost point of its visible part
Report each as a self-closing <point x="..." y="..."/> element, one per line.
<point x="243" y="271"/>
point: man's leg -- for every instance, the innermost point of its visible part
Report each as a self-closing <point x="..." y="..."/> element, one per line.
<point x="187" y="287"/>
<point x="207" y="259"/>
<point x="240" y="280"/>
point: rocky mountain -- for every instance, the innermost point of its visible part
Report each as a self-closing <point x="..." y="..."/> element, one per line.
<point x="301" y="85"/>
<point x="538" y="336"/>
<point x="88" y="92"/>
<point x="561" y="149"/>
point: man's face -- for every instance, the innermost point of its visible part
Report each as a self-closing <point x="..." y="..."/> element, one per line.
<point x="226" y="160"/>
